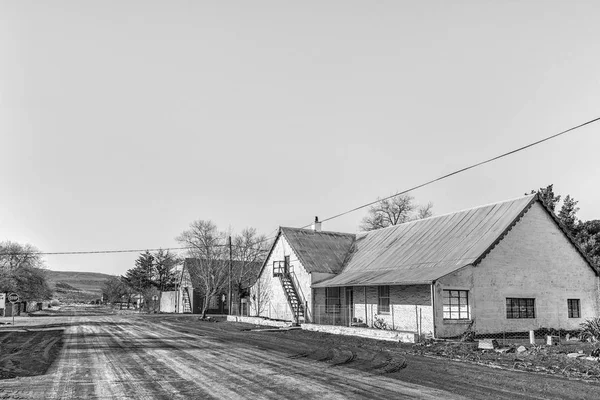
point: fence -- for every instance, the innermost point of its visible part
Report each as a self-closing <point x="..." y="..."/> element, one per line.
<point x="523" y="321"/>
<point x="242" y="309"/>
<point x="336" y="315"/>
<point x="507" y="324"/>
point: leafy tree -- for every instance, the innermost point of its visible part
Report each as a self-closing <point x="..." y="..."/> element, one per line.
<point x="588" y="236"/>
<point x="15" y="255"/>
<point x="568" y="213"/>
<point x="115" y="289"/>
<point x="547" y="196"/>
<point x="22" y="272"/>
<point x="140" y="277"/>
<point x="165" y="275"/>
<point x="393" y="211"/>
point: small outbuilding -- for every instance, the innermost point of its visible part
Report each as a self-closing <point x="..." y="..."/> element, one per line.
<point x="504" y="267"/>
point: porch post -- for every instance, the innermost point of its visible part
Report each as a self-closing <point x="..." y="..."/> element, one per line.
<point x="366" y="315"/>
<point x="433" y="306"/>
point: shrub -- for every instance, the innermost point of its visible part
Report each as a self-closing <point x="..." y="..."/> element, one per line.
<point x="590" y="330"/>
<point x="54" y="303"/>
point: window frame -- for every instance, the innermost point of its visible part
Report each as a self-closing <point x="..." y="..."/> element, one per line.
<point x="520" y="308"/>
<point x="381" y="307"/>
<point x="332" y="303"/>
<point x="570" y="309"/>
<point x="447" y="314"/>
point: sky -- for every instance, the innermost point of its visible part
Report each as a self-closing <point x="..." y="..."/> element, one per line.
<point x="121" y="122"/>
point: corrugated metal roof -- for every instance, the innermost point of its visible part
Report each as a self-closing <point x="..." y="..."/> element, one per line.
<point x="319" y="251"/>
<point x="422" y="251"/>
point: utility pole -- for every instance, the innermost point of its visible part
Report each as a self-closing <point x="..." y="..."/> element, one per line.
<point x="230" y="268"/>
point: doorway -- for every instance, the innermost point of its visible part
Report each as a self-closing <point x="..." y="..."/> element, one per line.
<point x="349" y="304"/>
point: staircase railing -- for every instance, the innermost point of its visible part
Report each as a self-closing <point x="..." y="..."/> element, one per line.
<point x="187" y="305"/>
<point x="281" y="269"/>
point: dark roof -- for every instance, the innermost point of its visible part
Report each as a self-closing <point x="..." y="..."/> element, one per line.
<point x="419" y="252"/>
<point x="319" y="251"/>
<point x="192" y="265"/>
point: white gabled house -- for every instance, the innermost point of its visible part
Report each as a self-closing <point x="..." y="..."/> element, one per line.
<point x="504" y="267"/>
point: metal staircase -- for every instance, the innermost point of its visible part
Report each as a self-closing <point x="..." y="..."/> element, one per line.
<point x="281" y="269"/>
<point x="187" y="305"/>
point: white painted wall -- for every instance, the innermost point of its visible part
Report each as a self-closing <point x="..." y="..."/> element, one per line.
<point x="534" y="260"/>
<point x="268" y="298"/>
<point x="410" y="308"/>
<point x="168" y="301"/>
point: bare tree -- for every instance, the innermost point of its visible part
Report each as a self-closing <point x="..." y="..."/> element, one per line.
<point x="260" y="296"/>
<point x="208" y="247"/>
<point x="249" y="252"/>
<point x="425" y="211"/>
<point x="393" y="211"/>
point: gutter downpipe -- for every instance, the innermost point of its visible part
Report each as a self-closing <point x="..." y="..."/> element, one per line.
<point x="433" y="306"/>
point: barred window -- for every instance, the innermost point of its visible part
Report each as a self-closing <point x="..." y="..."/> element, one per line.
<point x="456" y="304"/>
<point x="574" y="308"/>
<point x="383" y="299"/>
<point x="520" y="308"/>
<point x="332" y="299"/>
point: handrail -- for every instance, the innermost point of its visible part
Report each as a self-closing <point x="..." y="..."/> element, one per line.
<point x="299" y="293"/>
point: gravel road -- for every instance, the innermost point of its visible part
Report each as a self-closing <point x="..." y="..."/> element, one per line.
<point x="166" y="357"/>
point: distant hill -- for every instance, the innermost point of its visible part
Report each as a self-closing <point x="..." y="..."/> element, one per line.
<point x="73" y="286"/>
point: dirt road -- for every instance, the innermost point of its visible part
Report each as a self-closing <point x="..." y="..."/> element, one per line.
<point x="158" y="357"/>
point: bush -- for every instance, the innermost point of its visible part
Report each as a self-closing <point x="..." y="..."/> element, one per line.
<point x="590" y="330"/>
<point x="55" y="303"/>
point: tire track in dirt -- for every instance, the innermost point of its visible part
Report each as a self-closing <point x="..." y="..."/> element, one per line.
<point x="279" y="381"/>
<point x="316" y="375"/>
<point x="113" y="356"/>
<point x="156" y="369"/>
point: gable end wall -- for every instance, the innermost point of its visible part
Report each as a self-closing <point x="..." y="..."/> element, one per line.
<point x="534" y="260"/>
<point x="268" y="298"/>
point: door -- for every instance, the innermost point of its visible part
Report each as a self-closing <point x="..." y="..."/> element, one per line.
<point x="350" y="304"/>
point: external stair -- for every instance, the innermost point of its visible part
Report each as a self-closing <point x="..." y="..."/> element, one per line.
<point x="187" y="305"/>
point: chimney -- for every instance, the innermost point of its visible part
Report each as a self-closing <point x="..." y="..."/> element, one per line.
<point x="316" y="226"/>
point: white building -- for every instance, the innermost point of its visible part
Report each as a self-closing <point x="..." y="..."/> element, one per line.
<point x="503" y="267"/>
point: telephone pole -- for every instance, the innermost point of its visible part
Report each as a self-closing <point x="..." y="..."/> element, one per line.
<point x="230" y="268"/>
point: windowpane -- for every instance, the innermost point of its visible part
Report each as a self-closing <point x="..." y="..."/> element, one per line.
<point x="456" y="304"/>
<point x="574" y="307"/>
<point x="520" y="308"/>
<point x="383" y="302"/>
<point x="332" y="299"/>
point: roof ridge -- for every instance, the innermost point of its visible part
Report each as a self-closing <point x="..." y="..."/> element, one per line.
<point x="313" y="231"/>
<point x="449" y="213"/>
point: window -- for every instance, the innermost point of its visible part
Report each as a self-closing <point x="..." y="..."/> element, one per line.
<point x="574" y="308"/>
<point x="520" y="308"/>
<point x="383" y="299"/>
<point x="332" y="299"/>
<point x="456" y="304"/>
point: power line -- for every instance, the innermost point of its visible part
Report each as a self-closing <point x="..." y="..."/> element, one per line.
<point x="121" y="251"/>
<point x="345" y="212"/>
<point x="461" y="170"/>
